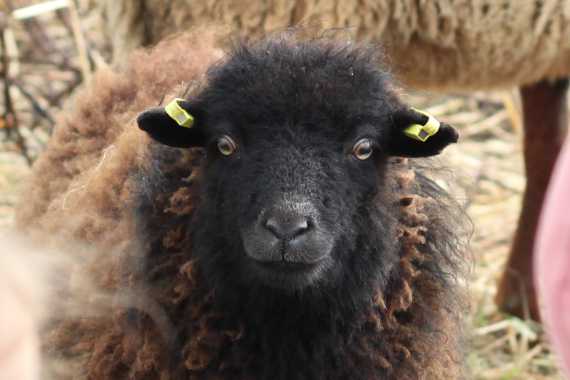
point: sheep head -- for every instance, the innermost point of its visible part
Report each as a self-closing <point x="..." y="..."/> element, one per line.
<point x="296" y="189"/>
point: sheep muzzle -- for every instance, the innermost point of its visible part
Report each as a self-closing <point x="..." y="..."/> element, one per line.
<point x="287" y="245"/>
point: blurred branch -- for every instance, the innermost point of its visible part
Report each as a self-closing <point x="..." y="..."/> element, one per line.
<point x="38" y="9"/>
<point x="45" y="56"/>
<point x="11" y="124"/>
<point x="26" y="13"/>
<point x="80" y="42"/>
<point x="35" y="104"/>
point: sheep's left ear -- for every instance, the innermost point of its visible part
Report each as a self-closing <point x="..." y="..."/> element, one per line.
<point x="416" y="133"/>
<point x="174" y="125"/>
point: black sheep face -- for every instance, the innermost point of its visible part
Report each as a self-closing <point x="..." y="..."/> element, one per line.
<point x="295" y="190"/>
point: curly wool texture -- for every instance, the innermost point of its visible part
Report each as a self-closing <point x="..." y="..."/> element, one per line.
<point x="165" y="324"/>
<point x="436" y="45"/>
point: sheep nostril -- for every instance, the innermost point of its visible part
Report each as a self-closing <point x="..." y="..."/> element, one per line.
<point x="287" y="226"/>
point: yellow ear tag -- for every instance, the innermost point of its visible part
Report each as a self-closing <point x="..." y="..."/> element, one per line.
<point x="423" y="132"/>
<point x="179" y="114"/>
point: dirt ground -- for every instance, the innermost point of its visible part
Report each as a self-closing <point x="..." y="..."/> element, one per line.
<point x="487" y="166"/>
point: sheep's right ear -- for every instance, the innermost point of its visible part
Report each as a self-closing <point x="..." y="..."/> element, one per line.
<point x="174" y="125"/>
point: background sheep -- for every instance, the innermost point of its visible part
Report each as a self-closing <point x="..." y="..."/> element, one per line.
<point x="435" y="45"/>
<point x="380" y="303"/>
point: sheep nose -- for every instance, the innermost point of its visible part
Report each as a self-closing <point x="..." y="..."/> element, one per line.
<point x="287" y="225"/>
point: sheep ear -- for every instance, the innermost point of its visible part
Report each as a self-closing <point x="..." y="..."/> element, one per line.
<point x="174" y="125"/>
<point x="418" y="134"/>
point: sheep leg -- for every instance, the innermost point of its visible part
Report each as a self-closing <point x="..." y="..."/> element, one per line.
<point x="545" y="122"/>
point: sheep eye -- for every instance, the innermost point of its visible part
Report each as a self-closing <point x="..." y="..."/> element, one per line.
<point x="226" y="146"/>
<point x="363" y="149"/>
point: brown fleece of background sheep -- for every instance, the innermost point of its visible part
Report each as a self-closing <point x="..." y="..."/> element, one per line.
<point x="82" y="189"/>
<point x="438" y="45"/>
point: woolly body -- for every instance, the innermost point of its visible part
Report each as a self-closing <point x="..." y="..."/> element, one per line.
<point x="436" y="45"/>
<point x="165" y="220"/>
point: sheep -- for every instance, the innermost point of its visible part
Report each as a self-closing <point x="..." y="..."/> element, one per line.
<point x="437" y="45"/>
<point x="276" y="221"/>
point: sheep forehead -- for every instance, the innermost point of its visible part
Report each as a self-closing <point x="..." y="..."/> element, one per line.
<point x="299" y="84"/>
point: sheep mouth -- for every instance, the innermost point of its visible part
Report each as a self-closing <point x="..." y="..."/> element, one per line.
<point x="289" y="276"/>
<point x="287" y="267"/>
